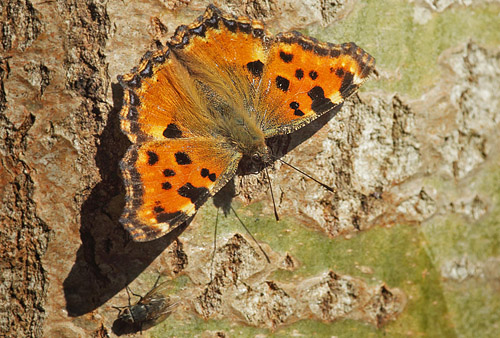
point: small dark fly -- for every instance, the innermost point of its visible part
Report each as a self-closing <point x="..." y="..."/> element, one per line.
<point x="150" y="309"/>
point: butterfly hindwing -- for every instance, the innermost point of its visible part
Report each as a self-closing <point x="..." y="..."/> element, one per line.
<point x="167" y="181"/>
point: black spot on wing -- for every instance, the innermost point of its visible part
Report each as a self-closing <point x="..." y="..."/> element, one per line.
<point x="282" y="83"/>
<point x="313" y="74"/>
<point x="299" y="74"/>
<point x="158" y="209"/>
<point x="296" y="111"/>
<point x="182" y="158"/>
<point x="196" y="195"/>
<point x="152" y="157"/>
<point x="287" y="58"/>
<point x="206" y="173"/>
<point x="339" y="72"/>
<point x="172" y="131"/>
<point x="256" y="68"/>
<point x="320" y="103"/>
<point x="168" y="173"/>
<point x="166" y="186"/>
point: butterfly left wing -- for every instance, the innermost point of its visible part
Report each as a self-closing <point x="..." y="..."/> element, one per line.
<point x="176" y="101"/>
<point x="304" y="79"/>
<point x="167" y="181"/>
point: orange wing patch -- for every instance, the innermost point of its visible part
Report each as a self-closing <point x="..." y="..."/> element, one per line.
<point x="306" y="78"/>
<point x="166" y="182"/>
<point x="223" y="44"/>
<point x="154" y="97"/>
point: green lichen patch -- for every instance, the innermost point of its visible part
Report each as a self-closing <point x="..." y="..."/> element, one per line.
<point x="396" y="256"/>
<point x="406" y="51"/>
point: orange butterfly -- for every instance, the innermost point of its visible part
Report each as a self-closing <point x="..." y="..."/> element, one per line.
<point x="221" y="87"/>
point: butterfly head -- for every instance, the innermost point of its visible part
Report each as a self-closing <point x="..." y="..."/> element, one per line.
<point x="261" y="155"/>
<point x="255" y="160"/>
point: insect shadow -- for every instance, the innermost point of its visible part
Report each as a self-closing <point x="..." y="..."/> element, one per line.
<point x="150" y="310"/>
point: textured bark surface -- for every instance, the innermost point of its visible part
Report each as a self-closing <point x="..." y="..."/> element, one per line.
<point x="406" y="245"/>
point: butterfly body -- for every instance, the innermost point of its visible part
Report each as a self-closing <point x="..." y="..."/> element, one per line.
<point x="213" y="96"/>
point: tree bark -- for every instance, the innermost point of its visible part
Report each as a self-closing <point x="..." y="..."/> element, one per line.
<point x="406" y="244"/>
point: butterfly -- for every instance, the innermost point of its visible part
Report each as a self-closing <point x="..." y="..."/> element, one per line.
<point x="222" y="86"/>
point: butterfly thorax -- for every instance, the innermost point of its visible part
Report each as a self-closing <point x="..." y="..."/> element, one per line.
<point x="247" y="138"/>
<point x="233" y="118"/>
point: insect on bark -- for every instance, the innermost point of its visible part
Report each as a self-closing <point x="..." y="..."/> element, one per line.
<point x="150" y="310"/>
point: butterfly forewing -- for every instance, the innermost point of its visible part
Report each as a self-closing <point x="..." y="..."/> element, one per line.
<point x="304" y="79"/>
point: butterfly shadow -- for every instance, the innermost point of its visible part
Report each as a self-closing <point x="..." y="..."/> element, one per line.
<point x="108" y="260"/>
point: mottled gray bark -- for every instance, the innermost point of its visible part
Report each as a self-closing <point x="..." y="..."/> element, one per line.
<point x="405" y="244"/>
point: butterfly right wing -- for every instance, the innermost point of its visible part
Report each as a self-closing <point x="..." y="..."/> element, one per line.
<point x="304" y="79"/>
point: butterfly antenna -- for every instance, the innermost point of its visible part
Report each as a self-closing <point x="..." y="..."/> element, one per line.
<point x="248" y="231"/>
<point x="272" y="195"/>
<point x="215" y="245"/>
<point x="329" y="188"/>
